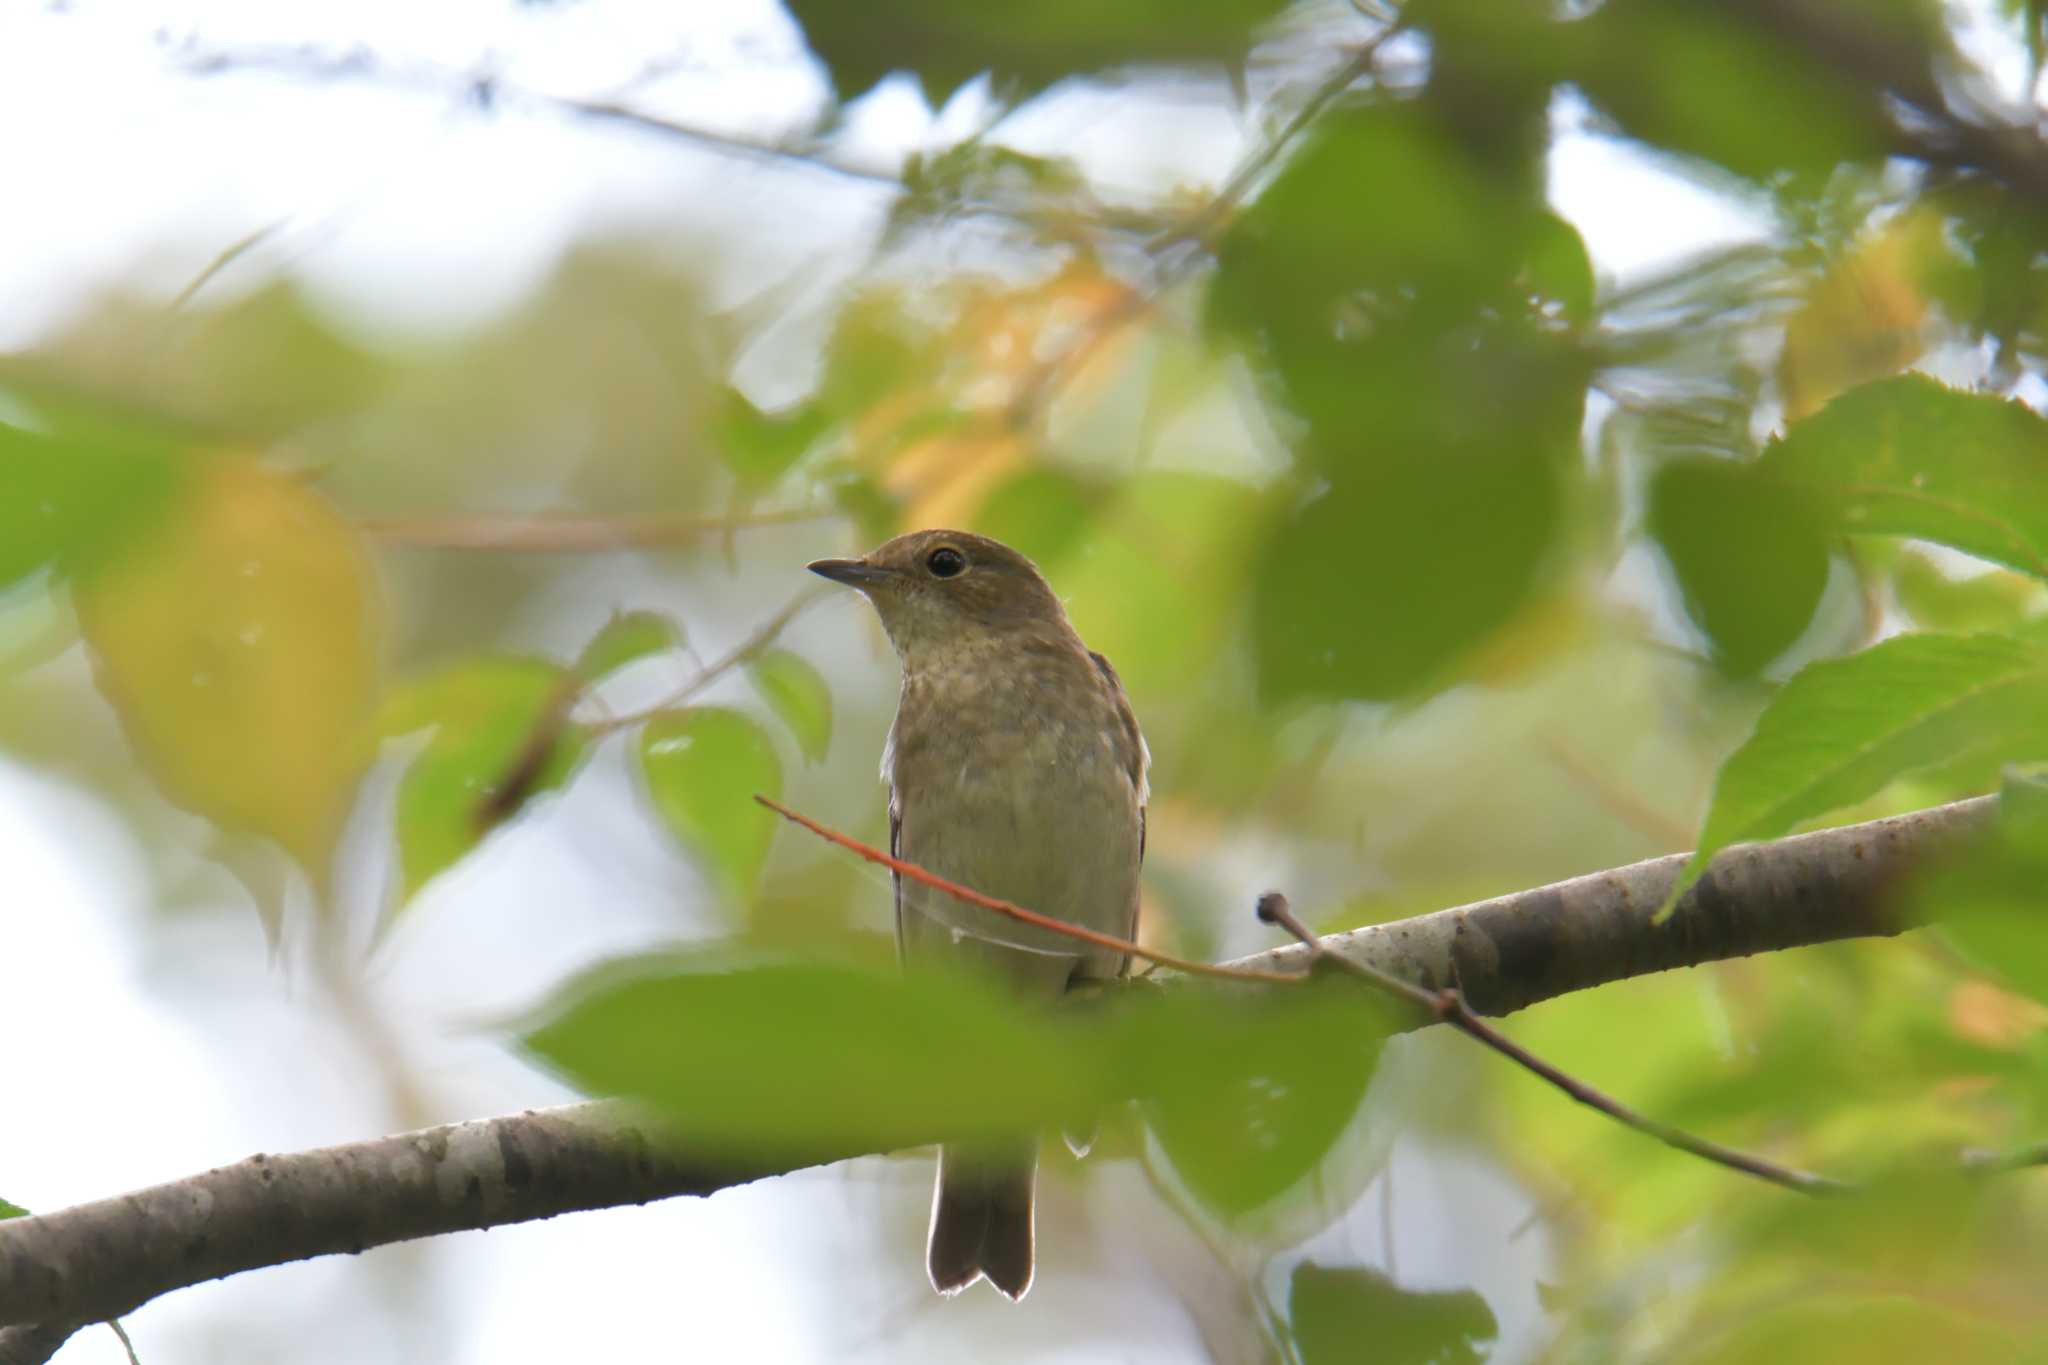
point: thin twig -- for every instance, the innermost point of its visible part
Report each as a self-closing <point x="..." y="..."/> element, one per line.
<point x="546" y="533"/>
<point x="126" y="1344"/>
<point x="1203" y="227"/>
<point x="1999" y="1163"/>
<point x="509" y="793"/>
<point x="1200" y="228"/>
<point x="1019" y="913"/>
<point x="1444" y="1006"/>
<point x="228" y="255"/>
<point x="1448" y="1006"/>
<point x="485" y="91"/>
<point x="763" y="636"/>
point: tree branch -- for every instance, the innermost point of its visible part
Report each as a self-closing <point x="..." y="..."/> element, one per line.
<point x="99" y="1260"/>
<point x="1448" y="1006"/>
<point x="1513" y="951"/>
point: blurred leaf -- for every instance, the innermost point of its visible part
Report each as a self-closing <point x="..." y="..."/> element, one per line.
<point x="703" y="766"/>
<point x="261" y="364"/>
<point x="1993" y="601"/>
<point x="1993" y="906"/>
<point x="240" y="644"/>
<point x="1157" y="581"/>
<point x="1407" y="297"/>
<point x="1356" y="1314"/>
<point x="36" y="624"/>
<point x="799" y="695"/>
<point x="8" y="1210"/>
<point x="1865" y="318"/>
<point x="759" y="447"/>
<point x="1249" y="1088"/>
<point x="1910" y="457"/>
<point x="499" y="739"/>
<point x="82" y="489"/>
<point x="1252" y="1085"/>
<point x="874" y="512"/>
<point x="1374" y="589"/>
<point x="1414" y="307"/>
<point x="874" y="351"/>
<point x="1840" y="729"/>
<point x="1033" y="45"/>
<point x="1864" y="1327"/>
<point x="1991" y="898"/>
<point x="626" y="638"/>
<point x="981" y="176"/>
<point x="1748" y="554"/>
<point x="780" y="1060"/>
<point x="1731" y="84"/>
<point x="1042" y="513"/>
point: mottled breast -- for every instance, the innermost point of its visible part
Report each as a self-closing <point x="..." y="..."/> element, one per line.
<point x="1017" y="770"/>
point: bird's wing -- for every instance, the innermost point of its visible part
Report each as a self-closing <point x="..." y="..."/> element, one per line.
<point x="1137" y="760"/>
<point x="895" y="832"/>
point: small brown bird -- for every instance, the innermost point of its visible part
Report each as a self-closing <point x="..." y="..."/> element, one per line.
<point x="1016" y="768"/>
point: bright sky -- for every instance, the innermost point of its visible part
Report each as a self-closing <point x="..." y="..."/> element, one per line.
<point x="160" y="1052"/>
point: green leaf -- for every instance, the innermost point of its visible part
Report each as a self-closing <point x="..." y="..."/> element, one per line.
<point x="1840" y="729"/>
<point x="947" y="43"/>
<point x="1996" y="600"/>
<point x="783" y="1059"/>
<point x="1248" y="1090"/>
<point x="799" y="695"/>
<point x="1748" y="554"/>
<point x="8" y="1210"/>
<point x="761" y="447"/>
<point x="1377" y="587"/>
<point x="79" y="489"/>
<point x="1412" y="305"/>
<point x="1991" y="899"/>
<point x="1157" y="587"/>
<point x="1848" y="1323"/>
<point x="1042" y="513"/>
<point x="1332" y="1311"/>
<point x="1910" y="457"/>
<point x="501" y="737"/>
<point x="703" y="766"/>
<point x="1723" y="83"/>
<point x="627" y="638"/>
<point x="777" y="1061"/>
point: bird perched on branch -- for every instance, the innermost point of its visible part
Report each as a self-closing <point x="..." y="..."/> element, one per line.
<point x="1016" y="768"/>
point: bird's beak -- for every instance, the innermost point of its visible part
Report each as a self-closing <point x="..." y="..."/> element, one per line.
<point x="854" y="573"/>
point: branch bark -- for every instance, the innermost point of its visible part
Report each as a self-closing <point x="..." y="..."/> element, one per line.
<point x="97" y="1261"/>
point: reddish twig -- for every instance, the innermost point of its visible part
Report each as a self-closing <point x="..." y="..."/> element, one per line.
<point x="1444" y="1006"/>
<point x="1449" y="1007"/>
<point x="1018" y="912"/>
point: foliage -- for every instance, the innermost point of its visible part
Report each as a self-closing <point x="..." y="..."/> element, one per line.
<point x="1435" y="561"/>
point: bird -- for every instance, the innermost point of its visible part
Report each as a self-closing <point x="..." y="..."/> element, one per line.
<point x="1015" y="767"/>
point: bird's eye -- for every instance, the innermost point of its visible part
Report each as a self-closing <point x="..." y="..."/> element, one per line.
<point x="945" y="562"/>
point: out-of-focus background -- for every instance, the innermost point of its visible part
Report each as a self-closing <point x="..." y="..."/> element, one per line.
<point x="402" y="402"/>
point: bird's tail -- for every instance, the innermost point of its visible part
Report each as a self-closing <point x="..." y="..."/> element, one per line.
<point x="981" y="1216"/>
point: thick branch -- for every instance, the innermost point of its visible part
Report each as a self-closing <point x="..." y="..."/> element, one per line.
<point x="96" y="1261"/>
<point x="1513" y="951"/>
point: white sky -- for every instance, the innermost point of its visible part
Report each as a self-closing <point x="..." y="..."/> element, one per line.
<point x="160" y="1053"/>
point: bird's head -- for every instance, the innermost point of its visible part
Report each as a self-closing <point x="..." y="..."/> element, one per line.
<point x="938" y="589"/>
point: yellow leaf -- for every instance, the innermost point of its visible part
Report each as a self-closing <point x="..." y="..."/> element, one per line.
<point x="1864" y="319"/>
<point x="238" y="639"/>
